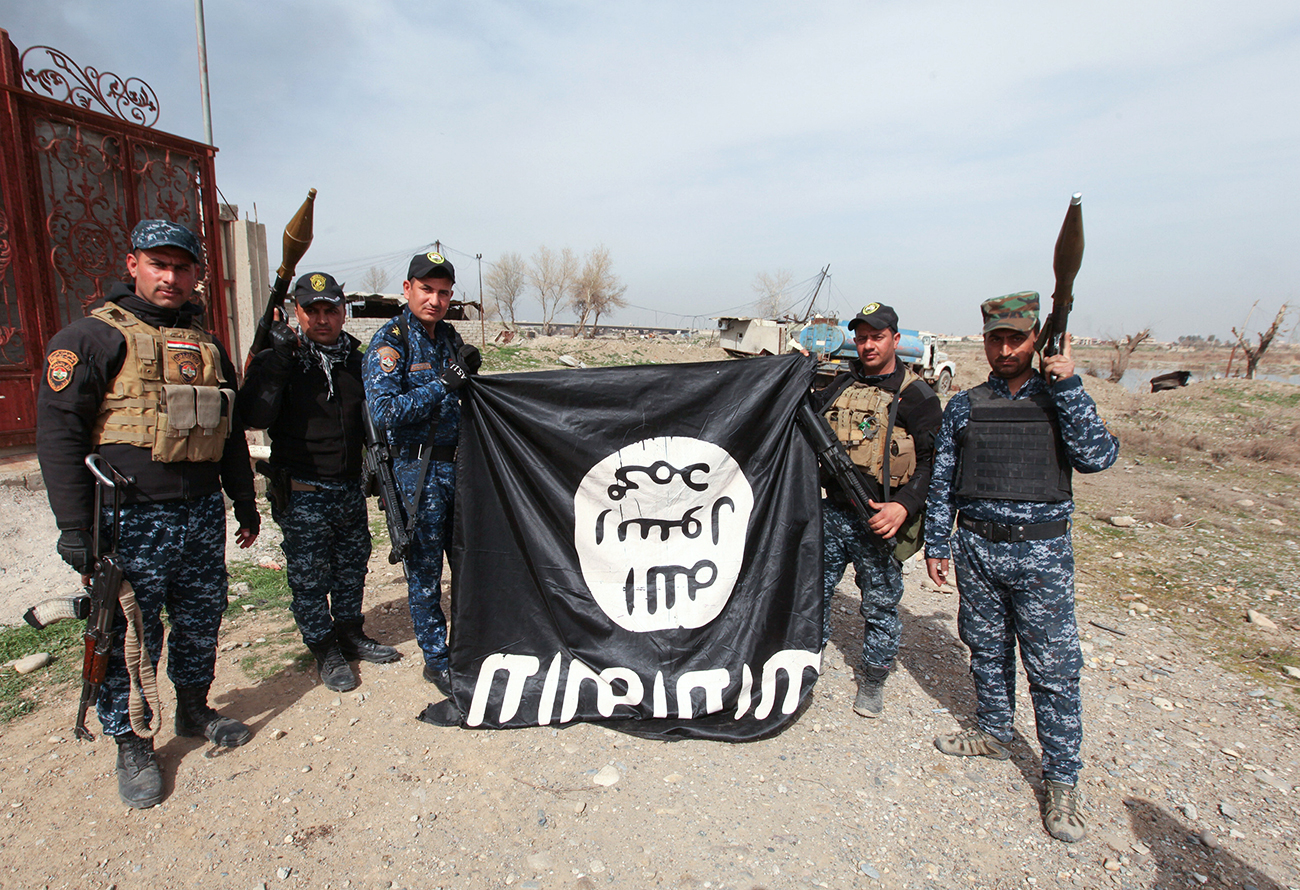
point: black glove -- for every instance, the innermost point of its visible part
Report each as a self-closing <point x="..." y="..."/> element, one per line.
<point x="247" y="516"/>
<point x="77" y="548"/>
<point x="469" y="358"/>
<point x="284" y="340"/>
<point x="467" y="362"/>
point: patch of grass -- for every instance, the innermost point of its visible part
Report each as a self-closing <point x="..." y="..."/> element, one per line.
<point x="269" y="589"/>
<point x="19" y="693"/>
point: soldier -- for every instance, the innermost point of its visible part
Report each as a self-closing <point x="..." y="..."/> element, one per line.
<point x="886" y="417"/>
<point x="413" y="368"/>
<point x="1003" y="462"/>
<point x="306" y="391"/>
<point x="140" y="382"/>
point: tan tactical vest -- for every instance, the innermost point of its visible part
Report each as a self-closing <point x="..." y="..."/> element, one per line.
<point x="170" y="395"/>
<point x="860" y="416"/>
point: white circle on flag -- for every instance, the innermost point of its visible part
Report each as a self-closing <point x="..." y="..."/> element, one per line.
<point x="660" y="530"/>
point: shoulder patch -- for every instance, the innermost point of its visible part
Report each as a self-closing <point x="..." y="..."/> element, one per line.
<point x="61" y="363"/>
<point x="388" y="358"/>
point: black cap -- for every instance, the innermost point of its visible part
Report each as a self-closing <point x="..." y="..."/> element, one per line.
<point x="877" y="315"/>
<point x="317" y="287"/>
<point x="430" y="265"/>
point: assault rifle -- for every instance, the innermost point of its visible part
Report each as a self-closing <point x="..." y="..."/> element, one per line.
<point x="379" y="468"/>
<point x="297" y="238"/>
<point x="1065" y="263"/>
<point x="99" y="604"/>
<point x="835" y="460"/>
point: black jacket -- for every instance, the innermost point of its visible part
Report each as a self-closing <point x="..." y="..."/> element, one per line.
<point x="65" y="421"/>
<point x="312" y="435"/>
<point x="919" y="413"/>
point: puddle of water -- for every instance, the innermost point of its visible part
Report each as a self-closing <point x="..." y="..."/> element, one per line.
<point x="1140" y="380"/>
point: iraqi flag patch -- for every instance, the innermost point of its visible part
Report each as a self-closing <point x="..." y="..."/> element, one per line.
<point x="61" y="363"/>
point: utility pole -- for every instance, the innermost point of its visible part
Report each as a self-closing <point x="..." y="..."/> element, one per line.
<point x="482" y="309"/>
<point x="201" y="34"/>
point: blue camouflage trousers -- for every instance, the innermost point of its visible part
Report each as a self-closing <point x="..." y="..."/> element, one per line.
<point x="845" y="539"/>
<point x="326" y="549"/>
<point x="1023" y="592"/>
<point x="174" y="555"/>
<point x="429" y="539"/>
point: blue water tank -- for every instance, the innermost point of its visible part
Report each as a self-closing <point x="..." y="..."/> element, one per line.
<point x="910" y="346"/>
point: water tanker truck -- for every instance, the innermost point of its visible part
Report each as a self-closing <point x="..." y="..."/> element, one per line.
<point x="833" y="345"/>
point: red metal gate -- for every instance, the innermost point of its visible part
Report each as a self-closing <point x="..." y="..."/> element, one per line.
<point x="75" y="182"/>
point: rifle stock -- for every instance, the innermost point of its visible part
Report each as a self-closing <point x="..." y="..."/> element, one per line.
<point x="379" y="466"/>
<point x="835" y="460"/>
<point x="1066" y="260"/>
<point x="297" y="238"/>
<point x="104" y="588"/>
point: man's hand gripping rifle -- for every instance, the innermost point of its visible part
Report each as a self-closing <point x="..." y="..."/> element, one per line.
<point x="106" y="590"/>
<point x="835" y="460"/>
<point x="379" y="468"/>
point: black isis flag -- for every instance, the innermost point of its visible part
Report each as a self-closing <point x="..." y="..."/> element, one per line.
<point x="637" y="543"/>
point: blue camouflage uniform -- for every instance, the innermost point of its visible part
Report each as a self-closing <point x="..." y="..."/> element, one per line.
<point x="172" y="541"/>
<point x="847" y="539"/>
<point x="315" y="422"/>
<point x="1021" y="591"/>
<point x="326" y="548"/>
<point x="407" y="398"/>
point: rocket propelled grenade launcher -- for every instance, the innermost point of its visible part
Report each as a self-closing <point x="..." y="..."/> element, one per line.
<point x="1065" y="263"/>
<point x="297" y="238"/>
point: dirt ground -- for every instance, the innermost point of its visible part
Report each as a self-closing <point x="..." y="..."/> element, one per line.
<point x="1192" y="749"/>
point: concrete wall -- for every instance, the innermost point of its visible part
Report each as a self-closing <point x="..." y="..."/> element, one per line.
<point x="249" y="279"/>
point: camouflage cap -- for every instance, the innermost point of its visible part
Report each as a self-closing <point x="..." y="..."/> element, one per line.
<point x="317" y="287"/>
<point x="151" y="233"/>
<point x="1016" y="312"/>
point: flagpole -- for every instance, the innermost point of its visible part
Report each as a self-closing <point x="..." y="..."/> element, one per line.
<point x="203" y="70"/>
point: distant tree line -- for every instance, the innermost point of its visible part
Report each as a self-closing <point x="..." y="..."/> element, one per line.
<point x="588" y="287"/>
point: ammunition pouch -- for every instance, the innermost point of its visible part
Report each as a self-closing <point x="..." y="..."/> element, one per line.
<point x="170" y="396"/>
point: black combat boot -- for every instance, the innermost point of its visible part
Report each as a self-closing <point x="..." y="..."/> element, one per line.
<point x="871" y="692"/>
<point x="139" y="781"/>
<point x="335" y="672"/>
<point x="194" y="719"/>
<point x="439" y="677"/>
<point x="356" y="646"/>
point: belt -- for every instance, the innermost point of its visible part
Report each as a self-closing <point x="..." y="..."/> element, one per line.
<point x="295" y="485"/>
<point x="1013" y="534"/>
<point x="443" y="453"/>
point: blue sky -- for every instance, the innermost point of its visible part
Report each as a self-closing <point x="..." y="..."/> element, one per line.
<point x="925" y="150"/>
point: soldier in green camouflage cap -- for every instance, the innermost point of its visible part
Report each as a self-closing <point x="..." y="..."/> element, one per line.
<point x="1004" y="461"/>
<point x="1016" y="312"/>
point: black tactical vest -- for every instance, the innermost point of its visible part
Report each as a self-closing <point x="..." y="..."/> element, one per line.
<point x="1011" y="450"/>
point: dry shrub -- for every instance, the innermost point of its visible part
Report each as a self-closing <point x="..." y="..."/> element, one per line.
<point x="1270" y="450"/>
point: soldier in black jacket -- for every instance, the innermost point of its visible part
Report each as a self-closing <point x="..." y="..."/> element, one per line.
<point x="306" y="392"/>
<point x="141" y="383"/>
<point x="887" y="418"/>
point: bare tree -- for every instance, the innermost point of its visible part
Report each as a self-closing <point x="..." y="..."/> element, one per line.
<point x="505" y="284"/>
<point x="771" y="288"/>
<point x="374" y="281"/>
<point x="1255" y="353"/>
<point x="597" y="290"/>
<point x="552" y="275"/>
<point x="1124" y="351"/>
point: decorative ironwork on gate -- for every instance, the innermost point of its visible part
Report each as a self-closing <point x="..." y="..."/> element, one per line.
<point x="129" y="99"/>
<point x="80" y="164"/>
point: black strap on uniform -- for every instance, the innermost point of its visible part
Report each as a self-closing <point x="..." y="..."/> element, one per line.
<point x="426" y="450"/>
